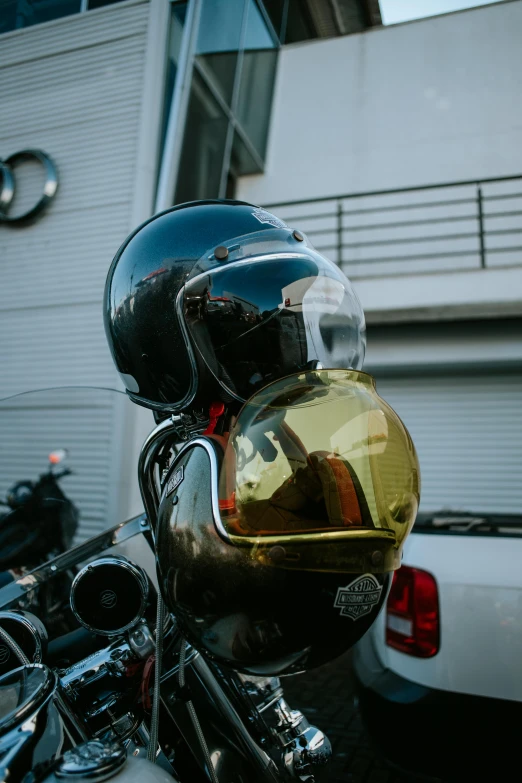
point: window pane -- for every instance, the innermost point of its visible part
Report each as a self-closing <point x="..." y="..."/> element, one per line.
<point x="203" y="146"/>
<point x="241" y="161"/>
<point x="218" y="42"/>
<point x="257" y="79"/>
<point x="257" y="34"/>
<point x="352" y="17"/>
<point x="23" y="13"/>
<point x="299" y="24"/>
<point x="177" y="22"/>
<point x="99" y="3"/>
<point x="275" y="9"/>
<point x="7" y="15"/>
<point x="255" y="95"/>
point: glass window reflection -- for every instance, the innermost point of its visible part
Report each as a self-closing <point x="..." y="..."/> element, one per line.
<point x="299" y="23"/>
<point x="177" y="22"/>
<point x="257" y="79"/>
<point x="100" y="3"/>
<point x="277" y="11"/>
<point x="219" y="40"/>
<point x="255" y="95"/>
<point x="242" y="161"/>
<point x="15" y="14"/>
<point x="203" y="146"/>
<point x="257" y="35"/>
<point x="234" y="68"/>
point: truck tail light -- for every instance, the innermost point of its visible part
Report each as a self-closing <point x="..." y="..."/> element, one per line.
<point x="412" y="614"/>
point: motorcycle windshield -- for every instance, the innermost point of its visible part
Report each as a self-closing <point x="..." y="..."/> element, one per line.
<point x="61" y="469"/>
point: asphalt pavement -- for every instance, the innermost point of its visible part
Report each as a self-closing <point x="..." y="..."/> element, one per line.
<point x="326" y="697"/>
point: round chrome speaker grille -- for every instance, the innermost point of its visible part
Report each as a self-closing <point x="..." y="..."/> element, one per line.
<point x="109" y="595"/>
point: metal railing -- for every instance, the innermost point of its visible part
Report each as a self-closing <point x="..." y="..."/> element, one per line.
<point x="445" y="227"/>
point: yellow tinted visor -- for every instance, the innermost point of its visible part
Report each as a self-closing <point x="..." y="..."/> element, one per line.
<point x="320" y="473"/>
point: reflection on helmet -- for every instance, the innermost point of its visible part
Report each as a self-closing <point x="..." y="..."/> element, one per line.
<point x="320" y="458"/>
<point x="263" y="318"/>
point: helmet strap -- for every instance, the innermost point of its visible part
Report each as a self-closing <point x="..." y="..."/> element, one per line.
<point x="214" y="412"/>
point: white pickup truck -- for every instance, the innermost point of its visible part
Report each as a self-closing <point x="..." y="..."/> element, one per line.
<point x="439" y="675"/>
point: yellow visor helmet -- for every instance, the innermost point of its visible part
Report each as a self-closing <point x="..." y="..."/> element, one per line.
<point x="320" y="474"/>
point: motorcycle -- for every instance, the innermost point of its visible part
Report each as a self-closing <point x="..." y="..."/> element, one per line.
<point x="121" y="693"/>
<point x="41" y="520"/>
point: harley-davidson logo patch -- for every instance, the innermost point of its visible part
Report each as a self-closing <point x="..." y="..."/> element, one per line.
<point x="359" y="597"/>
<point x="266" y="217"/>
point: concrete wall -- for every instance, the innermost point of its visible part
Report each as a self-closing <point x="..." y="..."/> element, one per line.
<point x="431" y="101"/>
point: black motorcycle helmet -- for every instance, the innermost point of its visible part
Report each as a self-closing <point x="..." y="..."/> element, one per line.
<point x="215" y="299"/>
<point x="279" y="528"/>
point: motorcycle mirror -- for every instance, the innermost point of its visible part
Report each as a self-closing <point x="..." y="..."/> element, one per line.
<point x="55" y="457"/>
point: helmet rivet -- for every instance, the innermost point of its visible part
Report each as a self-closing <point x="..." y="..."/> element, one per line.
<point x="145" y="357"/>
<point x="221" y="252"/>
<point x="297" y="235"/>
<point x="175" y="500"/>
<point x="377" y="558"/>
<point x="277" y="553"/>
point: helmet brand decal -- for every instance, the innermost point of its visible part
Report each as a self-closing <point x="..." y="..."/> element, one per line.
<point x="359" y="597"/>
<point x="175" y="480"/>
<point x="266" y="217"/>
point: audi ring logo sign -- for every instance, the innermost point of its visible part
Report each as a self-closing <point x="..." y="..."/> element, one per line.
<point x="8" y="184"/>
<point x="108" y="599"/>
<point x="4" y="653"/>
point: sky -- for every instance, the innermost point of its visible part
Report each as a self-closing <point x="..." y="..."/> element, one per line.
<point x="394" y="11"/>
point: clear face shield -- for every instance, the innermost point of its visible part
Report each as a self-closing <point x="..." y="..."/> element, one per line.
<point x="320" y="474"/>
<point x="276" y="307"/>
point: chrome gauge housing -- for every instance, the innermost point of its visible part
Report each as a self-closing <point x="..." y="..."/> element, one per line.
<point x="30" y="635"/>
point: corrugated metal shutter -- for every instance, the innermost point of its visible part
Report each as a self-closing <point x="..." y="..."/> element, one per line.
<point x="72" y="88"/>
<point x="467" y="430"/>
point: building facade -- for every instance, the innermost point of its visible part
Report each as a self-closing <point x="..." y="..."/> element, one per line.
<point x="396" y="148"/>
<point x="389" y="113"/>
